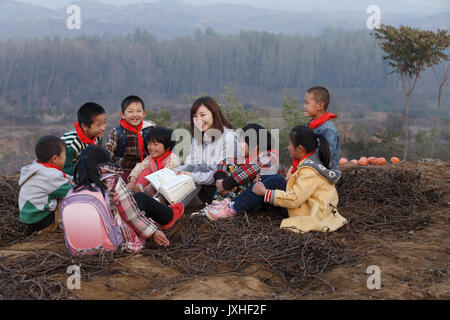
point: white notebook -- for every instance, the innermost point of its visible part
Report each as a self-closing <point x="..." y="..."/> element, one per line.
<point x="171" y="186"/>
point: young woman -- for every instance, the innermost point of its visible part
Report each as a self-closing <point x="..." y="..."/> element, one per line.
<point x="139" y="216"/>
<point x="212" y="141"/>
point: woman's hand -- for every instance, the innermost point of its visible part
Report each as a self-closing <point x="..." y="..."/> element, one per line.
<point x="185" y="172"/>
<point x="160" y="238"/>
<point x="259" y="189"/>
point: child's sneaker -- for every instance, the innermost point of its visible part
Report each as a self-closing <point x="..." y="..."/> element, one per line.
<point x="220" y="210"/>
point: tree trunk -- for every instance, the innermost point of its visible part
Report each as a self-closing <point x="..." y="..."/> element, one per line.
<point x="436" y="122"/>
<point x="406" y="128"/>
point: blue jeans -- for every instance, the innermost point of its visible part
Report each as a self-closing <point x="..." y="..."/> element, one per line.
<point x="248" y="201"/>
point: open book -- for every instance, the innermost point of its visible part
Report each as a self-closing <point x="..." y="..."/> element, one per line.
<point x="171" y="186"/>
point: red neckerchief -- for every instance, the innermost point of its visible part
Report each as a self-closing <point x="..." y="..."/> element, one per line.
<point x="49" y="165"/>
<point x="295" y="162"/>
<point x="160" y="159"/>
<point x="132" y="129"/>
<point x="83" y="137"/>
<point x="321" y="120"/>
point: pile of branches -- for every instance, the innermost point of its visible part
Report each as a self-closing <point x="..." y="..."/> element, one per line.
<point x="238" y="245"/>
<point x="386" y="200"/>
<point x="389" y="200"/>
<point x="43" y="276"/>
<point x="11" y="230"/>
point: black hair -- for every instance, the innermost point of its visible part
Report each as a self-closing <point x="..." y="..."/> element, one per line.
<point x="162" y="135"/>
<point x="306" y="137"/>
<point x="87" y="171"/>
<point x="88" y="111"/>
<point x="260" y="131"/>
<point x="47" y="147"/>
<point x="129" y="100"/>
<point x="320" y="94"/>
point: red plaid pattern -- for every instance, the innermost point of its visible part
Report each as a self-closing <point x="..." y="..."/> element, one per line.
<point x="135" y="226"/>
<point x="247" y="172"/>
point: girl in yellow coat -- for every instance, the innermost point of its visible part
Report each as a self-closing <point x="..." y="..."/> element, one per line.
<point x="310" y="197"/>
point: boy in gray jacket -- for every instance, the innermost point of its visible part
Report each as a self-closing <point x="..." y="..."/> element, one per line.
<point x="42" y="183"/>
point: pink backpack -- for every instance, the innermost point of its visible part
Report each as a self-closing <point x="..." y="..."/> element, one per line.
<point x="89" y="226"/>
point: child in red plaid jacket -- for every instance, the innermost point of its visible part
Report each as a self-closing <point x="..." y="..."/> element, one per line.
<point x="233" y="177"/>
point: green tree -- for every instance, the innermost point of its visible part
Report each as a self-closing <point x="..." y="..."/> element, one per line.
<point x="234" y="111"/>
<point x="160" y="118"/>
<point x="409" y="51"/>
<point x="292" y="115"/>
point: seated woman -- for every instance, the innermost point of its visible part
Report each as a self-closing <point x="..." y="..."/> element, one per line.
<point x="212" y="141"/>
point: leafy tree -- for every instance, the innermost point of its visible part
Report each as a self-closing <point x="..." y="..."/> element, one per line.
<point x="234" y="111"/>
<point x="409" y="51"/>
<point x="160" y="118"/>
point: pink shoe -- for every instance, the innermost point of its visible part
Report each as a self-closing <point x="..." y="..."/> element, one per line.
<point x="220" y="210"/>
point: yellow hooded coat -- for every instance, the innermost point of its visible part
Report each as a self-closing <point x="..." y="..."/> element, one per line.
<point x="310" y="197"/>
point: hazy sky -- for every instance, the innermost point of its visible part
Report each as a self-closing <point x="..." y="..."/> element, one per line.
<point x="398" y="6"/>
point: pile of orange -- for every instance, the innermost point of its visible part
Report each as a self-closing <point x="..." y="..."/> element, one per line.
<point x="364" y="161"/>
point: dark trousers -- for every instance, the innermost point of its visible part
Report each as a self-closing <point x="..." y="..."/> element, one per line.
<point x="248" y="201"/>
<point x="40" y="225"/>
<point x="153" y="209"/>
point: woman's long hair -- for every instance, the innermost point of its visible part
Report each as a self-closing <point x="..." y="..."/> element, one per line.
<point x="306" y="137"/>
<point x="219" y="120"/>
<point x="87" y="172"/>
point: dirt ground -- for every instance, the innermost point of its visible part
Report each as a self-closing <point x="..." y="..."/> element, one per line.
<point x="413" y="266"/>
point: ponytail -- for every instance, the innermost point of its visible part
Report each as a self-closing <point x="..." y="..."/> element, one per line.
<point x="324" y="150"/>
<point x="306" y="137"/>
<point x="87" y="172"/>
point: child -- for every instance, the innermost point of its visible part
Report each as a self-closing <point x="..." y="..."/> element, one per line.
<point x="160" y="156"/>
<point x="127" y="141"/>
<point x="139" y="216"/>
<point x="232" y="179"/>
<point x="207" y="148"/>
<point x="89" y="130"/>
<point x="42" y="183"/>
<point x="316" y="104"/>
<point x="310" y="197"/>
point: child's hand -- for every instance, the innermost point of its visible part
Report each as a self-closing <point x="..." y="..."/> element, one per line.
<point x="138" y="188"/>
<point x="131" y="186"/>
<point x="185" y="172"/>
<point x="259" y="189"/>
<point x="258" y="178"/>
<point x="160" y="238"/>
<point x="150" y="190"/>
<point x="219" y="185"/>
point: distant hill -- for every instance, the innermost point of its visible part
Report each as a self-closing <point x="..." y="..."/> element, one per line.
<point x="174" y="18"/>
